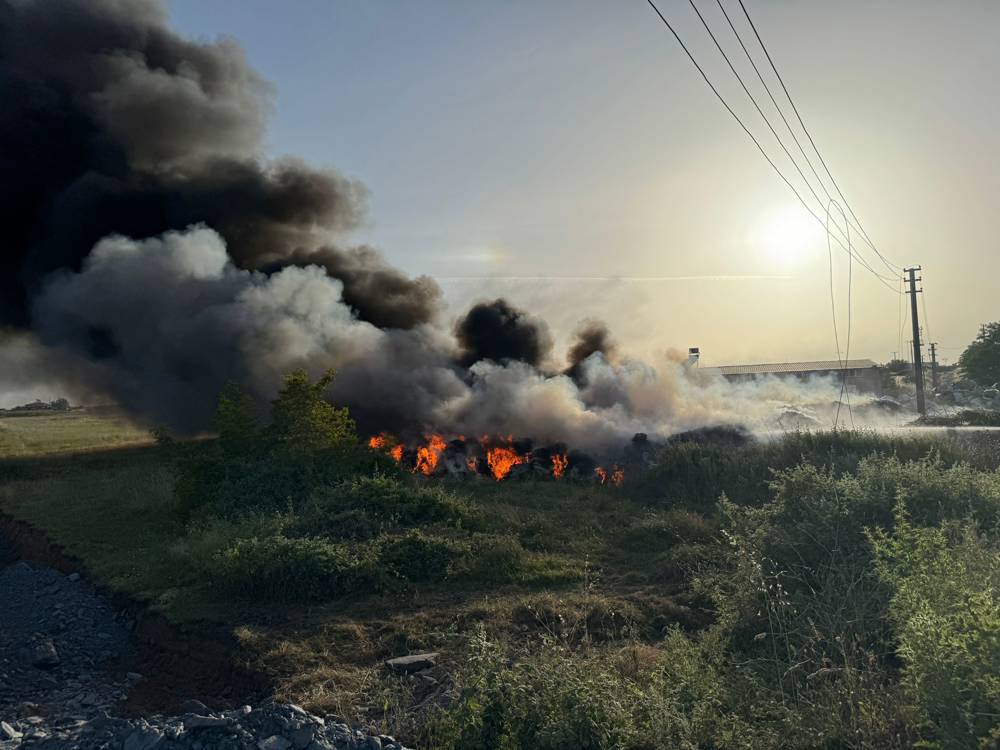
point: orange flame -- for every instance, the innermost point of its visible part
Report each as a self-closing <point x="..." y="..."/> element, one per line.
<point x="378" y="442"/>
<point x="397" y="453"/>
<point x="559" y="464"/>
<point x="502" y="459"/>
<point x="602" y="475"/>
<point x="617" y="475"/>
<point x="428" y="455"/>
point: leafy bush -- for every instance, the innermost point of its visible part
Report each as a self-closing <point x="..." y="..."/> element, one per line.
<point x="391" y="500"/>
<point x="497" y="559"/>
<point x="418" y="557"/>
<point x="946" y="611"/>
<point x="277" y="567"/>
<point x="800" y="601"/>
<point x="252" y="466"/>
<point x="694" y="475"/>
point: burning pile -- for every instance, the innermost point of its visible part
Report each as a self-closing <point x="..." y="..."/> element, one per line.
<point x="494" y="456"/>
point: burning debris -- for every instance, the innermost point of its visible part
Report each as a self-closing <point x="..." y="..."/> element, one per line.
<point x="496" y="457"/>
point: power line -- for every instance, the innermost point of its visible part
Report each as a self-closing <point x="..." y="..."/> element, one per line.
<point x="753" y="100"/>
<point x="757" y="143"/>
<point x="781" y="114"/>
<point x="770" y="127"/>
<point x="891" y="266"/>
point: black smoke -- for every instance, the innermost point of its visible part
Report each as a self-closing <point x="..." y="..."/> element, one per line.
<point x="153" y="253"/>
<point x="591" y="337"/>
<point x="499" y="332"/>
<point x="378" y="292"/>
<point x="112" y="123"/>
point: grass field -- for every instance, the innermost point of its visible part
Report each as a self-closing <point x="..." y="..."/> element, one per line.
<point x="596" y="616"/>
<point x="46" y="433"/>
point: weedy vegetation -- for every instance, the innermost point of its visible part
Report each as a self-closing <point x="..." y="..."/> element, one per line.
<point x="824" y="590"/>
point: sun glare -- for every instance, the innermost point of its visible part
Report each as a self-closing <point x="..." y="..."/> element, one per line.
<point x="787" y="234"/>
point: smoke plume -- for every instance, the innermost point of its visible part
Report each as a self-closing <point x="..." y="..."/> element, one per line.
<point x="499" y="332"/>
<point x="591" y="337"/>
<point x="112" y="123"/>
<point x="152" y="253"/>
<point x="379" y="293"/>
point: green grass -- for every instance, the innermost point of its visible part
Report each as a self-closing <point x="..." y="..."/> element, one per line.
<point x="115" y="512"/>
<point x="36" y="434"/>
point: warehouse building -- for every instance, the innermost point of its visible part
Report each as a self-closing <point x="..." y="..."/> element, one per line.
<point x="863" y="375"/>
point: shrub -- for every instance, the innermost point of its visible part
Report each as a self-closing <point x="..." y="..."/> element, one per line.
<point x="946" y="611"/>
<point x="497" y="559"/>
<point x="418" y="557"/>
<point x="252" y="466"/>
<point x="392" y="500"/>
<point x="276" y="567"/>
<point x="694" y="475"/>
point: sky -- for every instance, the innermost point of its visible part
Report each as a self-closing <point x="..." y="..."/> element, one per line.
<point x="566" y="155"/>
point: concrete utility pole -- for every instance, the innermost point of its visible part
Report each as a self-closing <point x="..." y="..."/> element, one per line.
<point x="934" y="364"/>
<point x="918" y="365"/>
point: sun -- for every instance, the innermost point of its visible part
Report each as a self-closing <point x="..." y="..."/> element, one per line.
<point x="787" y="234"/>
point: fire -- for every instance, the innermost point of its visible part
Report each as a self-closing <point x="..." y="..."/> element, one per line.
<point x="502" y="459"/>
<point x="428" y="455"/>
<point x="501" y="454"/>
<point x="378" y="442"/>
<point x="616" y="477"/>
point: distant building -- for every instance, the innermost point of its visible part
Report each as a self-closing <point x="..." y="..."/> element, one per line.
<point x="862" y="374"/>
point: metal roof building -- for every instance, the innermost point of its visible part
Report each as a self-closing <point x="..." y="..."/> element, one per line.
<point x="795" y="368"/>
<point x="863" y="374"/>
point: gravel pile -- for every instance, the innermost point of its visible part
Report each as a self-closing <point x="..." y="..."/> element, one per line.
<point x="270" y="727"/>
<point x="57" y="635"/>
<point x="56" y="632"/>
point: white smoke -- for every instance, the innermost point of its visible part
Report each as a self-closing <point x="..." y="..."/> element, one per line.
<point x="163" y="323"/>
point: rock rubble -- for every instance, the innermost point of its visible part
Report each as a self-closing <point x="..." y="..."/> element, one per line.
<point x="57" y="635"/>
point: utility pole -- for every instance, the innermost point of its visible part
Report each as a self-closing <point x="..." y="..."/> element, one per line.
<point x="918" y="365"/>
<point x="934" y="365"/>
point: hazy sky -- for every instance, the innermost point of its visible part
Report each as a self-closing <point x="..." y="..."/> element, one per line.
<point x="572" y="138"/>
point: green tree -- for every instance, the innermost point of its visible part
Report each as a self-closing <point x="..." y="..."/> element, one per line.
<point x="981" y="359"/>
<point x="304" y="421"/>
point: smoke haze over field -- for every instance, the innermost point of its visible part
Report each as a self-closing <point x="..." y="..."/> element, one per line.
<point x="153" y="254"/>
